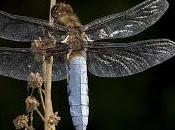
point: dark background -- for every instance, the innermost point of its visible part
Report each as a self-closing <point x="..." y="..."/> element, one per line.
<point x="145" y="101"/>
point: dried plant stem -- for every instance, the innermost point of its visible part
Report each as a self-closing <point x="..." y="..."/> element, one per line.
<point x="31" y="118"/>
<point x="47" y="69"/>
<point x="52" y="3"/>
<point x="42" y="99"/>
<point x="40" y="114"/>
<point x="42" y="91"/>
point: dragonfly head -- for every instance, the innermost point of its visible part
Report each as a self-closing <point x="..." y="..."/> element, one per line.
<point x="63" y="14"/>
<point x="60" y="10"/>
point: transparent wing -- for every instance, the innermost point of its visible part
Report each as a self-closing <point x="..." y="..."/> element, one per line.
<point x="122" y="59"/>
<point x="127" y="23"/>
<point x="18" y="63"/>
<point x="26" y="29"/>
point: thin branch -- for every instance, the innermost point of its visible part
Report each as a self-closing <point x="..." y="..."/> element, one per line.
<point x="42" y="99"/>
<point x="40" y="114"/>
<point x="31" y="118"/>
<point x="42" y="91"/>
<point x="52" y="3"/>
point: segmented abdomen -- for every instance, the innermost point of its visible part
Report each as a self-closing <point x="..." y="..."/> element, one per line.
<point x="78" y="92"/>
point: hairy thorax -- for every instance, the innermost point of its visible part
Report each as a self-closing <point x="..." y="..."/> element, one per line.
<point x="63" y="15"/>
<point x="76" y="41"/>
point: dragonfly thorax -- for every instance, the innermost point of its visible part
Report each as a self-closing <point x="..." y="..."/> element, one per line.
<point x="76" y="40"/>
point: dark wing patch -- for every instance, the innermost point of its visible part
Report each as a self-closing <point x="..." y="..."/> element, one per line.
<point x="18" y="63"/>
<point x="26" y="29"/>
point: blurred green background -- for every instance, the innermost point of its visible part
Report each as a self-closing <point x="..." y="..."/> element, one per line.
<point x="145" y="101"/>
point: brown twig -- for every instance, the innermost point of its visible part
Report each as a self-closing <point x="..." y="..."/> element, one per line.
<point x="47" y="84"/>
<point x="40" y="114"/>
<point x="47" y="70"/>
<point x="42" y="99"/>
<point x="52" y="3"/>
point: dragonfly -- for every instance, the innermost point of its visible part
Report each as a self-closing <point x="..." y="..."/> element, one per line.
<point x="80" y="48"/>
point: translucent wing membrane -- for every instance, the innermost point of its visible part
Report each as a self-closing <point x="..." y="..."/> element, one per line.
<point x="128" y="23"/>
<point x="122" y="59"/>
<point x="25" y="29"/>
<point x="18" y="63"/>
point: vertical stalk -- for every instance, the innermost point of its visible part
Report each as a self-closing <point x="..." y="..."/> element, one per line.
<point x="47" y="64"/>
<point x="52" y="3"/>
<point x="47" y="71"/>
